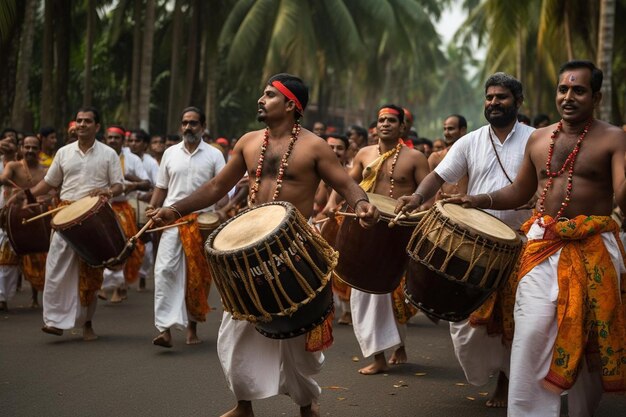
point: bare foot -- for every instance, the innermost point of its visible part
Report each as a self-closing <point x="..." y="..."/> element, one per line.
<point x="379" y="365"/>
<point x="243" y="409"/>
<point x="88" y="333"/>
<point x="124" y="292"/>
<point x="346" y="318"/>
<point x="164" y="339"/>
<point x="192" y="334"/>
<point x="116" y="297"/>
<point x="399" y="356"/>
<point x="52" y="330"/>
<point x="102" y="295"/>
<point x="34" y="303"/>
<point x="311" y="410"/>
<point x="142" y="284"/>
<point x="499" y="397"/>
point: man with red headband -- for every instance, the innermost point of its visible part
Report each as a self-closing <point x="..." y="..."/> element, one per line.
<point x="86" y="167"/>
<point x="255" y="366"/>
<point x="135" y="178"/>
<point x="391" y="169"/>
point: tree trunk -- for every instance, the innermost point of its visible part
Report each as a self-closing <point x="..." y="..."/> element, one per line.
<point x="177" y="35"/>
<point x="24" y="63"/>
<point x="568" y="36"/>
<point x="133" y="118"/>
<point x="91" y="21"/>
<point x="192" y="54"/>
<point x="63" y="42"/>
<point x="146" y="66"/>
<point x="47" y="66"/>
<point x="606" y="35"/>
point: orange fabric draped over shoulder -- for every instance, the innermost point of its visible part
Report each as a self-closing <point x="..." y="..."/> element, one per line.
<point x="591" y="315"/>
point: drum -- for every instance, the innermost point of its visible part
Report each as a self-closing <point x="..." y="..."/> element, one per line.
<point x="374" y="260"/>
<point x="207" y="223"/>
<point x="91" y="228"/>
<point x="272" y="269"/>
<point x="140" y="211"/>
<point x="31" y="237"/>
<point x="459" y="256"/>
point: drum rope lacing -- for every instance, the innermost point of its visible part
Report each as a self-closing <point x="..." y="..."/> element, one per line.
<point x="231" y="297"/>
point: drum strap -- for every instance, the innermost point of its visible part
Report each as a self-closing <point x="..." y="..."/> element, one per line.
<point x="498" y="157"/>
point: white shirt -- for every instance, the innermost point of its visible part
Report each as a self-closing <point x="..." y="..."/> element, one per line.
<point x="473" y="155"/>
<point x="181" y="172"/>
<point x="151" y="166"/>
<point x="132" y="165"/>
<point x="79" y="172"/>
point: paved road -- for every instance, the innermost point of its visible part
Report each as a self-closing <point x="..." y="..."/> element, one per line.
<point x="123" y="374"/>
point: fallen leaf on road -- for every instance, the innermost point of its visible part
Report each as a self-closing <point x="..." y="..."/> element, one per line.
<point x="460" y="384"/>
<point x="483" y="394"/>
<point x="334" y="387"/>
<point x="341" y="398"/>
<point x="355" y="359"/>
<point x="420" y="373"/>
<point x="470" y="398"/>
<point x="400" y="384"/>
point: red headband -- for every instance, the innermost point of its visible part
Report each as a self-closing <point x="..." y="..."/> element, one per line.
<point x="116" y="130"/>
<point x="287" y="93"/>
<point x="388" y="110"/>
<point x="72" y="125"/>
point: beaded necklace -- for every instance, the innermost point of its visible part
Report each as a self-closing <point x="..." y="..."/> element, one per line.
<point x="393" y="165"/>
<point x="295" y="131"/>
<point x="570" y="160"/>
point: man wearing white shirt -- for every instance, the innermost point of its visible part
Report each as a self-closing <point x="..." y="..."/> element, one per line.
<point x="181" y="273"/>
<point x="82" y="168"/>
<point x="135" y="178"/>
<point x="138" y="143"/>
<point x="490" y="157"/>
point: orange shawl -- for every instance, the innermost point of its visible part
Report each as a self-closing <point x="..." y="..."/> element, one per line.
<point x="126" y="217"/>
<point x="89" y="279"/>
<point x="198" y="282"/>
<point x="591" y="316"/>
<point x="34" y="269"/>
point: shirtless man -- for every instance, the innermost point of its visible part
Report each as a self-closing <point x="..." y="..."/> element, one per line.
<point x="289" y="368"/>
<point x="572" y="257"/>
<point x="25" y="174"/>
<point x="392" y="169"/>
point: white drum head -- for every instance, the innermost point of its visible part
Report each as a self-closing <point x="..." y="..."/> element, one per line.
<point x="75" y="210"/>
<point x="479" y="222"/>
<point x="249" y="228"/>
<point x="208" y="220"/>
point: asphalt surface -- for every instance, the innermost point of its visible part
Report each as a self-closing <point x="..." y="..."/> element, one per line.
<point x="123" y="374"/>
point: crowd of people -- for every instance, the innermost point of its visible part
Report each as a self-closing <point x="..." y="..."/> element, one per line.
<point x="559" y="323"/>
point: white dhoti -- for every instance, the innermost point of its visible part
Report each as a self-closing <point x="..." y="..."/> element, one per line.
<point x="112" y="279"/>
<point x="533" y="342"/>
<point x="148" y="261"/>
<point x="479" y="354"/>
<point x="61" y="298"/>
<point x="9" y="274"/>
<point x="258" y="367"/>
<point x="170" y="309"/>
<point x="374" y="322"/>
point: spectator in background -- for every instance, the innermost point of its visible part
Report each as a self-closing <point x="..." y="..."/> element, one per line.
<point x="319" y="128"/>
<point x="541" y="120"/>
<point x="48" y="140"/>
<point x="522" y="118"/>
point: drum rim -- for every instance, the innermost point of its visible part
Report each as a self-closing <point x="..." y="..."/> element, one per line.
<point x="208" y="245"/>
<point x="209" y="226"/>
<point x="475" y="232"/>
<point x="101" y="202"/>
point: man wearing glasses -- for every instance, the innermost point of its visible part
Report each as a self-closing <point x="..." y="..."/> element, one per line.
<point x="181" y="273"/>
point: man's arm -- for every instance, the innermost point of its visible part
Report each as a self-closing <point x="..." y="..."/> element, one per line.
<point x="617" y="169"/>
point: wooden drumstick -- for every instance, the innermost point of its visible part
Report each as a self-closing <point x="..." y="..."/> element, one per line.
<point x="39" y="216"/>
<point x="343" y="213"/>
<point x="169" y="226"/>
<point x="143" y="230"/>
<point x="320" y="221"/>
<point x="393" y="222"/>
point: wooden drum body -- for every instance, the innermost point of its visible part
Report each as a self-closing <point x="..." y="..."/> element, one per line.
<point x="272" y="269"/>
<point x="459" y="256"/>
<point x="91" y="228"/>
<point x="374" y="260"/>
<point x="31" y="237"/>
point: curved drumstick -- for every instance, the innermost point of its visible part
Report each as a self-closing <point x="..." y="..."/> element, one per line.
<point x="143" y="230"/>
<point x="39" y="216"/>
<point x="413" y="216"/>
<point x="169" y="226"/>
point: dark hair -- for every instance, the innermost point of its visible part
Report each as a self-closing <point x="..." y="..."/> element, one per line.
<point x="359" y="130"/>
<point x="399" y="109"/>
<point x="296" y="86"/>
<point x="196" y="110"/>
<point x="504" y="80"/>
<point x="141" y="134"/>
<point x="522" y="118"/>
<point x="342" y="138"/>
<point x="373" y="124"/>
<point x="172" y="137"/>
<point x="596" y="73"/>
<point x="46" y="131"/>
<point x="540" y="118"/>
<point x="462" y="121"/>
<point x="7" y="130"/>
<point x="85" y="109"/>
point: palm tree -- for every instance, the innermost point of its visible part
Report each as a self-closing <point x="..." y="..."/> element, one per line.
<point x="606" y="32"/>
<point x="146" y="65"/>
<point x="20" y="103"/>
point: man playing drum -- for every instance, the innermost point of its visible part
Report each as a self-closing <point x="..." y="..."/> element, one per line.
<point x="24" y="174"/>
<point x="490" y="157"/>
<point x="182" y="278"/>
<point x="284" y="162"/>
<point x="391" y="169"/>
<point x="569" y="303"/>
<point x="85" y="167"/>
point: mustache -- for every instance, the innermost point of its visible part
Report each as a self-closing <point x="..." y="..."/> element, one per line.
<point x="261" y="107"/>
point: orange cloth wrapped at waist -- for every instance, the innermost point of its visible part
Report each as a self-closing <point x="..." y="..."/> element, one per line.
<point x="89" y="278"/>
<point x="126" y="216"/>
<point x="8" y="257"/>
<point x="34" y="269"/>
<point x="198" y="282"/>
<point x="591" y="315"/>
